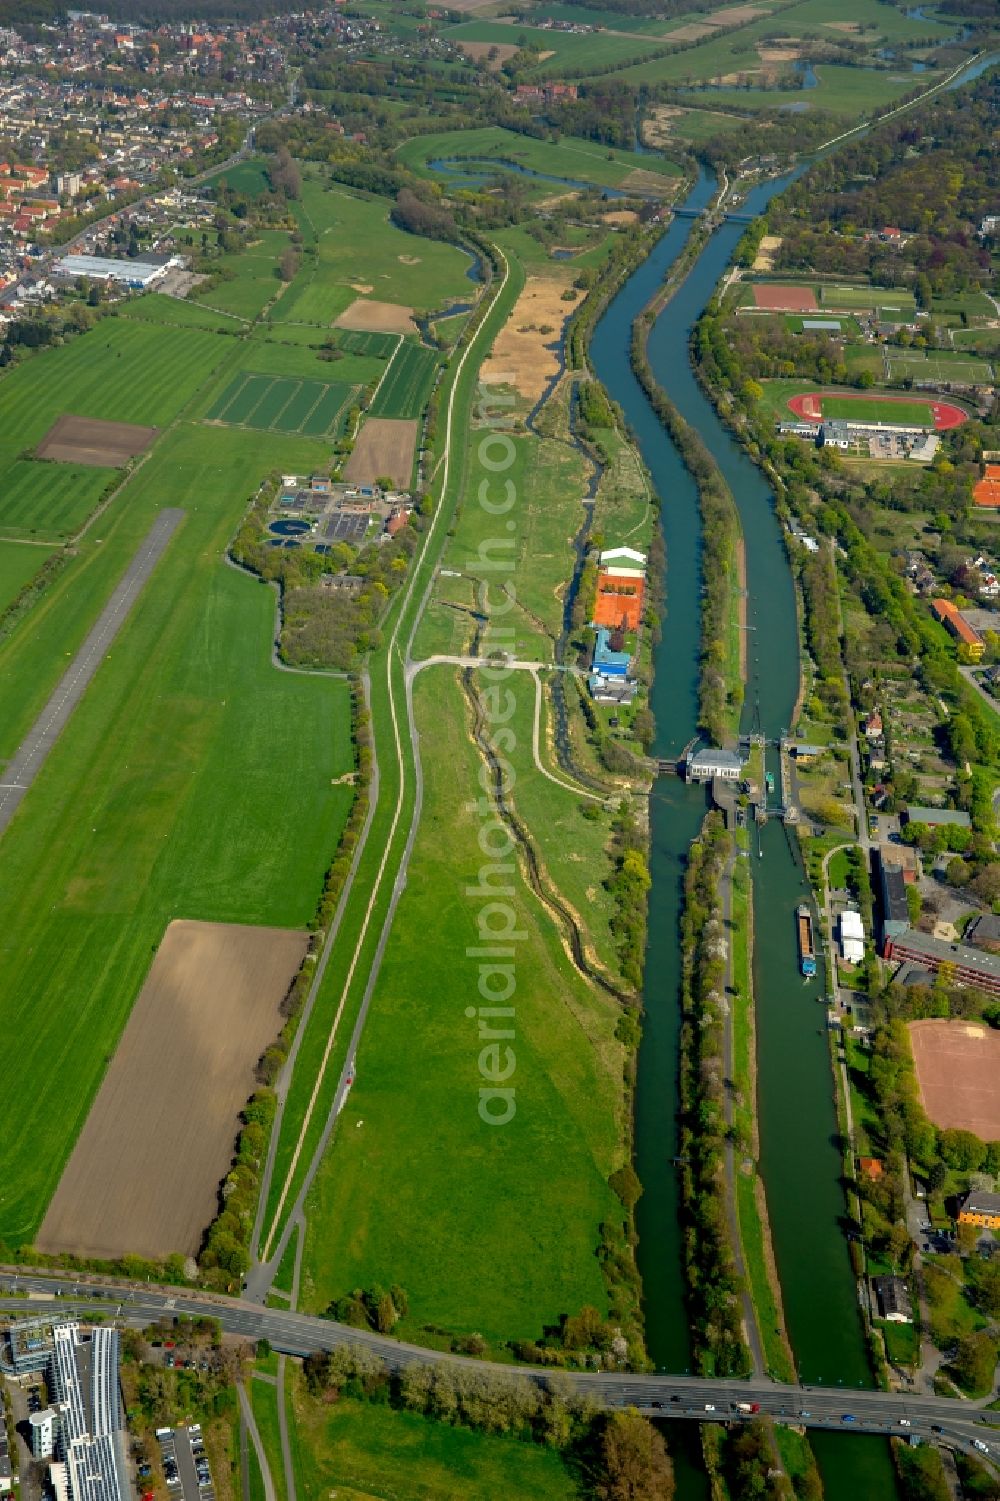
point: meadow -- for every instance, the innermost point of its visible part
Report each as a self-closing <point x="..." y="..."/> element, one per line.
<point x="154" y="307"/>
<point x="48" y="500"/>
<point x="357" y="247"/>
<point x="252" y="278"/>
<point x="569" y="157"/>
<point x="407" y="383"/>
<point x="195" y="782"/>
<point x="18" y="563"/>
<point x="266" y="353"/>
<point x="488" y="1228"/>
<point x="356" y="1449"/>
<point x="593" y="51"/>
<point x="121" y="370"/>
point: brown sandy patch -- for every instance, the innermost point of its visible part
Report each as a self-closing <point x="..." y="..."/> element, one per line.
<point x="364" y="287"/>
<point x="621" y="216"/>
<point x="692" y="32"/>
<point x="779" y="54"/>
<point x="408" y="260"/>
<point x="525" y="352"/>
<point x="493" y="53"/>
<point x="144" y="1175"/>
<point x="727" y="79"/>
<point x="958" y="1075"/>
<point x="735" y="15"/>
<point x="378" y="317"/>
<point x="842" y="25"/>
<point x="766" y="251"/>
<point x="639" y="180"/>
<point x="777" y="299"/>
<point x="656" y="127"/>
<point x="89" y="440"/>
<point x="384" y="446"/>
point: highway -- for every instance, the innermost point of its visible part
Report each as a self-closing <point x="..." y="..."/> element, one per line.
<point x="696" y="1398"/>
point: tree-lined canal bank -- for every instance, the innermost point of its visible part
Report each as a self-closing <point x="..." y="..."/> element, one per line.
<point x="800" y="1158"/>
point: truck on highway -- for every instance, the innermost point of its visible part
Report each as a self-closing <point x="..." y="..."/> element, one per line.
<point x="747" y="1406"/>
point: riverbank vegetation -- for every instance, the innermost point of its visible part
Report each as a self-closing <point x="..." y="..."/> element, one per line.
<point x="558" y="1443"/>
<point x="712" y="1282"/>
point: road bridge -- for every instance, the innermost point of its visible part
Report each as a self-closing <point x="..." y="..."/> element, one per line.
<point x="657" y="1393"/>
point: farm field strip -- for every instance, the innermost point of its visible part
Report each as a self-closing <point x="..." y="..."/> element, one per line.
<point x="24" y="767"/>
<point x="51" y="500"/>
<point x="272" y="403"/>
<point x="407" y="383"/>
<point x="301" y="1132"/>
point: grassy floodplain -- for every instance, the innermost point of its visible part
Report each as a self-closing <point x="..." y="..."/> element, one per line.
<point x="595" y="51"/>
<point x="569" y="157"/>
<point x="195" y="781"/>
<point x="358" y="252"/>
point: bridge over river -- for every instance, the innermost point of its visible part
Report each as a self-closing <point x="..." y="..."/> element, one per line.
<point x="963" y="1424"/>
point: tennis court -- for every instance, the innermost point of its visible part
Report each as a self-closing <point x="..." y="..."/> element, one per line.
<point x="282" y="404"/>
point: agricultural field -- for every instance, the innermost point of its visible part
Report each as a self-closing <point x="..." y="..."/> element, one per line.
<point x="357" y="1449"/>
<point x="274" y="404"/>
<point x="18" y="563"/>
<point x="568" y="158"/>
<point x="384" y="447"/>
<point x="120" y="372"/>
<point x="266" y="353"/>
<point x="407" y="383"/>
<point x="155" y="307"/>
<point x="197" y="782"/>
<point x="596" y="52"/>
<point x="48" y="500"/>
<point x="400" y="1196"/>
<point x="143" y="1178"/>
<point x="360" y="253"/>
<point x="359" y="341"/>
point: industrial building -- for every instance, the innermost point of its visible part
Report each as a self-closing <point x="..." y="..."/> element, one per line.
<point x="706" y="765"/>
<point x="966" y="966"/>
<point x="956" y="625"/>
<point x="137" y="274"/>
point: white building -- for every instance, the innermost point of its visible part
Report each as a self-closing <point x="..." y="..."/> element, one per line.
<point x="707" y="764"/>
<point x="626" y="556"/>
<point x="43" y="1433"/>
<point x="852" y="937"/>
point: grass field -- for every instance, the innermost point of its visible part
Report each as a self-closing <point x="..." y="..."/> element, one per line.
<point x="940" y="365"/>
<point x="196" y="782"/>
<point x="356" y="1450"/>
<point x="408" y="382"/>
<point x="568" y="157"/>
<point x="402" y="1197"/>
<point x="18" y="563"/>
<point x="357" y="247"/>
<point x="594" y="51"/>
<point x="275" y="404"/>
<point x="48" y="500"/>
<point x="841" y="295"/>
<point x="121" y="371"/>
<point x="264" y="1398"/>
<point x="154" y="307"/>
<point x="248" y="177"/>
<point x="253" y="279"/>
<point x="871" y="409"/>
<point x="265" y="353"/>
<point x="365" y="342"/>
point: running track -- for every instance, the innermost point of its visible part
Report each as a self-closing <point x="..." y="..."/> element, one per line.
<point x="31" y="753"/>
<point x="808" y="406"/>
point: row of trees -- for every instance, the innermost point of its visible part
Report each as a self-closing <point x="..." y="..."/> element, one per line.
<point x="622" y="1457"/>
<point x="713" y="1288"/>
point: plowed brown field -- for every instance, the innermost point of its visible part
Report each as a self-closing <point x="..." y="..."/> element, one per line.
<point x="145" y="1171"/>
<point x="90" y="440"/>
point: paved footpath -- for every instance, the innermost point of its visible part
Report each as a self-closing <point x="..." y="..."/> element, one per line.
<point x="31" y="753"/>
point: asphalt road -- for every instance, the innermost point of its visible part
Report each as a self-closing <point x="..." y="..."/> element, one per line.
<point x="31" y="753"/>
<point x="693" y="1397"/>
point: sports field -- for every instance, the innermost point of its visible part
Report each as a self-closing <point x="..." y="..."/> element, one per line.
<point x="407" y="383"/>
<point x="887" y="301"/>
<point x="941" y="366"/>
<point x="277" y="404"/>
<point x="196" y="780"/>
<point x="48" y="500"/>
<point x="958" y="1075"/>
<point x="784" y="298"/>
<point x="913" y="411"/>
<point x="143" y="1178"/>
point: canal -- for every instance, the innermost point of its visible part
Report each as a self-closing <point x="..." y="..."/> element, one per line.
<point x="800" y="1157"/>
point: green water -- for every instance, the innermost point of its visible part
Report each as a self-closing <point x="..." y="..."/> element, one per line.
<point x="800" y="1158"/>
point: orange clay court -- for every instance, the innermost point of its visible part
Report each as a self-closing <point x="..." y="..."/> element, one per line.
<point x="785" y="299"/>
<point x="987" y="491"/>
<point x="958" y="1075"/>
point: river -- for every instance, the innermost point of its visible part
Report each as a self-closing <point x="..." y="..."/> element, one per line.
<point x="800" y="1158"/>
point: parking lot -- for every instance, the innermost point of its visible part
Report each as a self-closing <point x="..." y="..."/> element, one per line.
<point x="185" y="1464"/>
